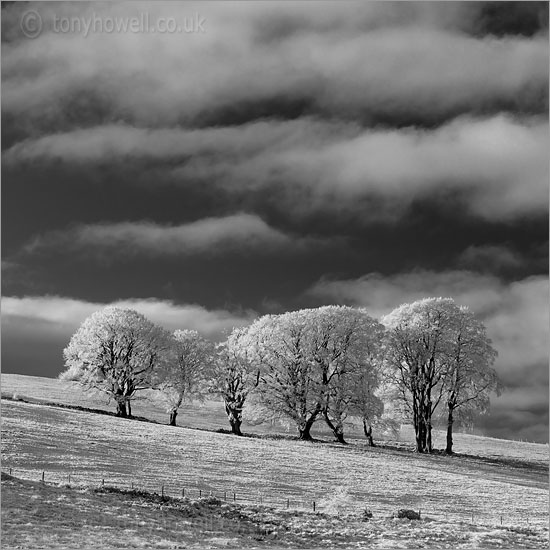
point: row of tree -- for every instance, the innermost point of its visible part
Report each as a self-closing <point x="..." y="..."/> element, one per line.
<point x="334" y="363"/>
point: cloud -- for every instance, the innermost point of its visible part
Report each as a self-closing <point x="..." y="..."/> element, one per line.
<point x="495" y="167"/>
<point x="379" y="59"/>
<point x="206" y="236"/>
<point x="490" y="258"/>
<point x="65" y="315"/>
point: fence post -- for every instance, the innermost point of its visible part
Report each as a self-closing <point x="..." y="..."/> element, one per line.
<point x="234" y="497"/>
<point x="200" y="493"/>
<point x="162" y="491"/>
<point x="225" y="495"/>
<point x="501" y="520"/>
<point x="42" y="476"/>
<point x="69" y="479"/>
<point x="288" y="503"/>
<point x="183" y="492"/>
<point x="10" y="471"/>
<point x="314" y="506"/>
<point x="132" y="485"/>
<point x="102" y="482"/>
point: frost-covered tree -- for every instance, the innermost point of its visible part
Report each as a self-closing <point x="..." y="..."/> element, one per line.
<point x="116" y="351"/>
<point x="309" y="360"/>
<point x="365" y="403"/>
<point x="346" y="345"/>
<point x="438" y="353"/>
<point x="470" y="377"/>
<point x="184" y="376"/>
<point x="416" y="360"/>
<point x="289" y="379"/>
<point x="233" y="376"/>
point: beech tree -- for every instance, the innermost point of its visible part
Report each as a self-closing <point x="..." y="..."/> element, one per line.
<point x="233" y="377"/>
<point x="439" y="354"/>
<point x="116" y="351"/>
<point x="365" y="403"/>
<point x="345" y="343"/>
<point x="416" y="359"/>
<point x="289" y="381"/>
<point x="470" y="378"/>
<point x="184" y="376"/>
<point x="309" y="362"/>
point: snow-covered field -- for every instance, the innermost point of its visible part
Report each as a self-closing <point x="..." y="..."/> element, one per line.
<point x="470" y="502"/>
<point x="41" y="515"/>
<point x="210" y="415"/>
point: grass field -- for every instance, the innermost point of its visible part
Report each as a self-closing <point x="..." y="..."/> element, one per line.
<point x="464" y="496"/>
<point x="210" y="415"/>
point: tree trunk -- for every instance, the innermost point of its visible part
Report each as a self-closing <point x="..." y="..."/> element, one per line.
<point x="368" y="433"/>
<point x="234" y="415"/>
<point x="450" y="420"/>
<point x="121" y="408"/>
<point x="420" y="431"/>
<point x="336" y="430"/>
<point x="235" y="426"/>
<point x="304" y="430"/>
<point x="173" y="414"/>
<point x="129" y="405"/>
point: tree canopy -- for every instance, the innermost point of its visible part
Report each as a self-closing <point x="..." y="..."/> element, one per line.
<point x="116" y="351"/>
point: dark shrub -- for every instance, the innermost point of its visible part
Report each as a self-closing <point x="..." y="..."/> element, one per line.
<point x="409" y="514"/>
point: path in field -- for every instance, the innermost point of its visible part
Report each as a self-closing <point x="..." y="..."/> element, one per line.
<point x="91" y="447"/>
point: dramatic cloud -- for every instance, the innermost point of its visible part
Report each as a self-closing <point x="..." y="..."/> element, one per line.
<point x="490" y="258"/>
<point x="497" y="167"/>
<point x="207" y="236"/>
<point x="368" y="61"/>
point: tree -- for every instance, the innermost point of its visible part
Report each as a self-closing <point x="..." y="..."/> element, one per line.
<point x="233" y="377"/>
<point x="289" y="382"/>
<point x="116" y="351"/>
<point x="365" y="403"/>
<point x="309" y="361"/>
<point x="416" y="359"/>
<point x="184" y="376"/>
<point x="345" y="343"/>
<point x="470" y="378"/>
<point x="439" y="354"/>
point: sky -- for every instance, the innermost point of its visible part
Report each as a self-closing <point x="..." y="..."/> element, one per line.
<point x="265" y="157"/>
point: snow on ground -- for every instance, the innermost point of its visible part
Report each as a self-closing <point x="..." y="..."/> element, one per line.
<point x="210" y="415"/>
<point x="465" y="502"/>
<point x="41" y="515"/>
<point x="93" y="447"/>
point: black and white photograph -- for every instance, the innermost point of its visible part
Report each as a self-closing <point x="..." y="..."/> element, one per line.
<point x="275" y="275"/>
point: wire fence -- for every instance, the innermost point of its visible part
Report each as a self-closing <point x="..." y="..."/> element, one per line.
<point x="325" y="504"/>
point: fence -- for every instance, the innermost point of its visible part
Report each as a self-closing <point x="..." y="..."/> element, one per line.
<point x="320" y="504"/>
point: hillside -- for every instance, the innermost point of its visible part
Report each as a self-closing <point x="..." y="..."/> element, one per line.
<point x="464" y="495"/>
<point x="210" y="415"/>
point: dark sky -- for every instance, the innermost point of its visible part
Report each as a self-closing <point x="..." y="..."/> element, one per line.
<point x="272" y="156"/>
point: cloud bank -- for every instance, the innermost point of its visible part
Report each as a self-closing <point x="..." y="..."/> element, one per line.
<point x="211" y="236"/>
